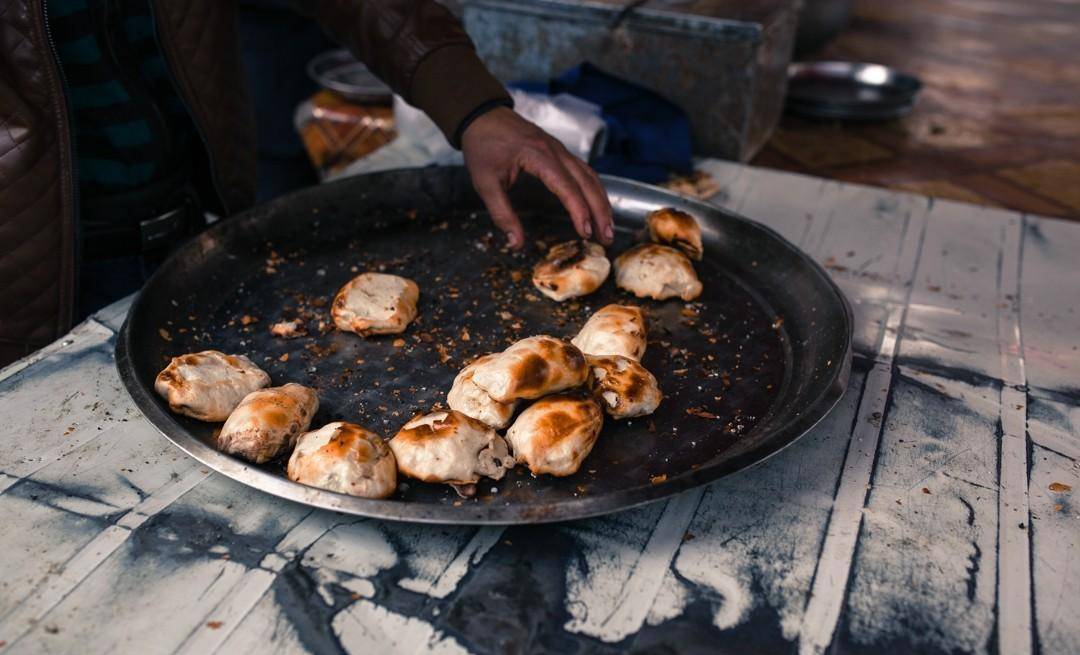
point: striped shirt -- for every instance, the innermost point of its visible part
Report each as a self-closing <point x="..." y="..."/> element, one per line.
<point x="131" y="129"/>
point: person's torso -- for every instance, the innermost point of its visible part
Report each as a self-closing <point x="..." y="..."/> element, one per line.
<point x="132" y="135"/>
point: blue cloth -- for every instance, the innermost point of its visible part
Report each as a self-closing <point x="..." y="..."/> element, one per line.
<point x="648" y="136"/>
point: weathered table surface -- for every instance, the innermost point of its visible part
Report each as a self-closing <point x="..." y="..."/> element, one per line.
<point x="930" y="512"/>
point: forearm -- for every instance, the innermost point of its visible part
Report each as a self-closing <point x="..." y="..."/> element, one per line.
<point x="418" y="48"/>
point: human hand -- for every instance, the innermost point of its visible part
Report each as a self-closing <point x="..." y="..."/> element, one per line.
<point x="500" y="144"/>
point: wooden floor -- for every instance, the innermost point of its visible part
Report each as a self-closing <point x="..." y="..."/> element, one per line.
<point x="998" y="121"/>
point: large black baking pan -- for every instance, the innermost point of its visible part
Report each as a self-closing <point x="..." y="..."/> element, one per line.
<point x="752" y="365"/>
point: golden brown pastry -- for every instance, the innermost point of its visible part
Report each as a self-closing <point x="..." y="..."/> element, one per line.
<point x="623" y="387"/>
<point x="267" y="422"/>
<point x="447" y="446"/>
<point x="571" y="269"/>
<point x="613" y="330"/>
<point x="659" y="272"/>
<point x="676" y="228"/>
<point x="345" y="458"/>
<point x="375" y="303"/>
<point x="530" y="368"/>
<point x="556" y="433"/>
<point x="473" y="401"/>
<point x="208" y="385"/>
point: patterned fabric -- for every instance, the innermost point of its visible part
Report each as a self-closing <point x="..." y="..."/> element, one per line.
<point x="131" y="128"/>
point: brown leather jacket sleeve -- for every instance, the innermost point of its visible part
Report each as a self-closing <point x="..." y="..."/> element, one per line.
<point x="418" y="48"/>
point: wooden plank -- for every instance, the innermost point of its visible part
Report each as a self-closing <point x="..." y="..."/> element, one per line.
<point x="1050" y="304"/>
<point x="1050" y="316"/>
<point x="1014" y="548"/>
<point x="866" y="238"/>
<point x="825" y="601"/>
<point x="879" y="582"/>
<point x="266" y="630"/>
<point x="748" y="557"/>
<point x="333" y="571"/>
<point x="1014" y="552"/>
<point x="923" y="578"/>
<point x="1054" y="423"/>
<point x="112" y="316"/>
<point x="871" y="247"/>
<point x="952" y="284"/>
<point x="858" y="233"/>
<point x="1055" y="538"/>
<point x="84" y="548"/>
<point x="55" y="400"/>
<point x="366" y="559"/>
<point x="61" y="582"/>
<point x="232" y="609"/>
<point x="80" y="501"/>
<point x="890" y="295"/>
<point x="436" y="558"/>
<point x="366" y="627"/>
<point x="1048" y="301"/>
<point x="624" y="559"/>
<point x="164" y="578"/>
<point x="743" y="191"/>
<point x="346" y="553"/>
<point x="440" y="580"/>
<point x="951" y="321"/>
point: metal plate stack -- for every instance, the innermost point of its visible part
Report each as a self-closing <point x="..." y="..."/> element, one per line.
<point x="849" y="91"/>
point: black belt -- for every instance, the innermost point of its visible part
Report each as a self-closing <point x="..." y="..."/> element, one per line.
<point x="107" y="232"/>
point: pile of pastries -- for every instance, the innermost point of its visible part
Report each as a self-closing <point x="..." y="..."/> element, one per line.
<point x="563" y="388"/>
<point x="659" y="269"/>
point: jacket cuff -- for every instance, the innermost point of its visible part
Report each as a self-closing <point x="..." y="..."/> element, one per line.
<point x="450" y="84"/>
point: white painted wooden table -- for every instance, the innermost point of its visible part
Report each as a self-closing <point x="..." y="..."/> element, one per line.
<point x="921" y="516"/>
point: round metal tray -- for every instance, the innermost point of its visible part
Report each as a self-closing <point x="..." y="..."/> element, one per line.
<point x="849" y="90"/>
<point x="760" y="358"/>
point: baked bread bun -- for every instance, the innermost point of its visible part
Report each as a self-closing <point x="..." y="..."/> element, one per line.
<point x="208" y="385"/>
<point x="672" y="227"/>
<point x="267" y="422"/>
<point x="474" y="402"/>
<point x="556" y="433"/>
<point x="375" y="303"/>
<point x="447" y="446"/>
<point x="613" y="330"/>
<point x="571" y="269"/>
<point x="623" y="387"/>
<point x="345" y="458"/>
<point x="531" y="368"/>
<point x="659" y="272"/>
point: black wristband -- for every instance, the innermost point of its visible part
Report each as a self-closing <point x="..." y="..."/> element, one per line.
<point x="480" y="110"/>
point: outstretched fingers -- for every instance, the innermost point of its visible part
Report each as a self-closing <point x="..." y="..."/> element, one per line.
<point x="545" y="165"/>
<point x="595" y="195"/>
<point x="492" y="191"/>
